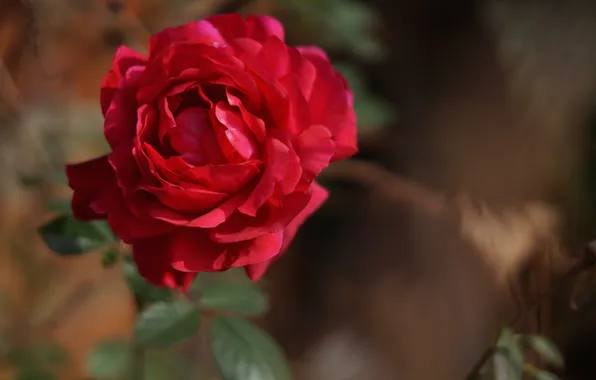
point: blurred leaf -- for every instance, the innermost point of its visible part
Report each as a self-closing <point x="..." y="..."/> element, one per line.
<point x="68" y="236"/>
<point x="36" y="180"/>
<point x="546" y="349"/>
<point x="110" y="257"/>
<point x="242" y="351"/>
<point x="143" y="290"/>
<point x="544" y="375"/>
<point x="165" y="324"/>
<point x="34" y="374"/>
<point x="370" y="110"/>
<point x="349" y="23"/>
<point x="60" y="205"/>
<point x="49" y="354"/>
<point x="238" y="298"/>
<point x="510" y="348"/>
<point x="109" y="360"/>
<point x="42" y="354"/>
<point x="159" y="365"/>
<point x="30" y="180"/>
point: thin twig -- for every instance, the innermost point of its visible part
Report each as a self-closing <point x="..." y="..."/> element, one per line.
<point x="588" y="261"/>
<point x="388" y="184"/>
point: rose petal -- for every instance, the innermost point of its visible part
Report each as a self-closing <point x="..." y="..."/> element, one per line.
<point x="121" y="115"/>
<point x="269" y="219"/>
<point x="124" y="59"/>
<point x="155" y="266"/>
<point x="255" y="124"/>
<point x="186" y="199"/>
<point x="261" y="28"/>
<point x="230" y="25"/>
<point x="192" y="251"/>
<point x="315" y="149"/>
<point x="276" y="165"/>
<point x="130" y="226"/>
<point x="89" y="180"/>
<point x="313" y="51"/>
<point x="256" y="271"/>
<point x="199" y="32"/>
<point x="293" y="174"/>
<point x="318" y="197"/>
<point x="331" y="105"/>
<point x="236" y="131"/>
<point x="227" y="178"/>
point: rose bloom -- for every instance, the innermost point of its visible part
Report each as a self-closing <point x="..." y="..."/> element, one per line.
<point x="217" y="137"/>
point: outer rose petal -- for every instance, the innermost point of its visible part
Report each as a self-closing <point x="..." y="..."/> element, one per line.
<point x="331" y="103"/>
<point x="200" y="32"/>
<point x="90" y="180"/>
<point x="260" y="28"/>
<point x="313" y="51"/>
<point x="191" y="250"/>
<point x="230" y="26"/>
<point x="155" y="267"/>
<point x="124" y="59"/>
<point x="318" y="197"/>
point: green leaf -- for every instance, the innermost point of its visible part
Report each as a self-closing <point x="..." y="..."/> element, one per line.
<point x="110" y="257"/>
<point x="160" y="365"/>
<point x="30" y="180"/>
<point x="60" y="205"/>
<point x="68" y="236"/>
<point x="510" y="348"/>
<point x="35" y="180"/>
<point x="166" y="324"/>
<point x="42" y="354"/>
<point x="34" y="374"/>
<point x="239" y="298"/>
<point x="371" y="110"/>
<point x="109" y="360"/>
<point x="242" y="351"/>
<point x="49" y="354"/>
<point x="546" y="349"/>
<point x="544" y="375"/>
<point x="143" y="290"/>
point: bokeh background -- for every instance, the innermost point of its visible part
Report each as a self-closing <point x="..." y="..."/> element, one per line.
<point x="472" y="195"/>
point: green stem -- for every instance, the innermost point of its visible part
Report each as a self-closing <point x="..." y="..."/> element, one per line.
<point x="138" y="354"/>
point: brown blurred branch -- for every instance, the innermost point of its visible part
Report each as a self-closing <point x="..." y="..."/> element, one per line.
<point x="387" y="184"/>
<point x="17" y="28"/>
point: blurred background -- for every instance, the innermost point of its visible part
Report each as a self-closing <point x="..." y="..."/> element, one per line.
<point x="469" y="207"/>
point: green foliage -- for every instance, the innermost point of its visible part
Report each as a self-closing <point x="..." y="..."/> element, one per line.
<point x="544" y="375"/>
<point x="238" y="298"/>
<point x="113" y="360"/>
<point x="35" y="361"/>
<point x="36" y="180"/>
<point x="546" y="349"/>
<point x="164" y="324"/>
<point x="34" y="374"/>
<point x="341" y="25"/>
<point x="110" y="360"/>
<point x="67" y="236"/>
<point x="509" y="346"/>
<point x="242" y="351"/>
<point x="371" y="111"/>
<point x="110" y="257"/>
<point x="161" y="365"/>
<point x="60" y="206"/>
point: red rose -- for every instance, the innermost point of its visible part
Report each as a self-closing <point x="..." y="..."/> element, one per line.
<point x="217" y="137"/>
